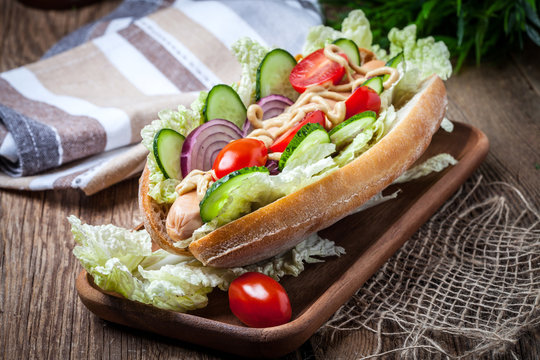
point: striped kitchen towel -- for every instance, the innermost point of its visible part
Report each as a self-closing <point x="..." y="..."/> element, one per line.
<point x="73" y="119"/>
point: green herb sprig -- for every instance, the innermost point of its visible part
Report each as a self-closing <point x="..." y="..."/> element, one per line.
<point x="469" y="28"/>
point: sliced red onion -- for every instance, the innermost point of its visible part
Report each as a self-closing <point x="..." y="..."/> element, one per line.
<point x="203" y="144"/>
<point x="273" y="166"/>
<point x="273" y="105"/>
<point x="247" y="128"/>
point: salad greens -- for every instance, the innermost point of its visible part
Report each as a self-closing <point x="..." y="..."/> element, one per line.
<point x="436" y="163"/>
<point x="354" y="27"/>
<point x="425" y="54"/>
<point x="122" y="261"/>
<point x="249" y="54"/>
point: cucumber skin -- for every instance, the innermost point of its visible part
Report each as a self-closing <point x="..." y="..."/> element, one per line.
<point x="353" y="118"/>
<point x="298" y="138"/>
<point x="208" y="98"/>
<point x="356" y="60"/>
<point x="379" y="80"/>
<point x="271" y="53"/>
<point x="156" y="152"/>
<point x="222" y="182"/>
<point x="393" y="63"/>
<point x="340" y="140"/>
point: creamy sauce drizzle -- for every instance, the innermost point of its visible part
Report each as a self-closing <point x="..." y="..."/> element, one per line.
<point x="328" y="98"/>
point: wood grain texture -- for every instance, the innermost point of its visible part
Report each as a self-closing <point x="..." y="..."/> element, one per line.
<point x="40" y="314"/>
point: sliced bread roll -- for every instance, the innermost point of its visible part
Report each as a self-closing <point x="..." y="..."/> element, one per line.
<point x="282" y="224"/>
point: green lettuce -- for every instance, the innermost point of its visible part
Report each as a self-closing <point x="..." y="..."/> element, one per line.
<point x="426" y="55"/>
<point x="369" y="137"/>
<point x="384" y="123"/>
<point x="296" y="176"/>
<point x="435" y="163"/>
<point x="355" y="27"/>
<point x="122" y="261"/>
<point x="249" y="54"/>
<point x="447" y="125"/>
<point x="358" y="146"/>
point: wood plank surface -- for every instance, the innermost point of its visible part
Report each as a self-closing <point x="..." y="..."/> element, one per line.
<point x="40" y="313"/>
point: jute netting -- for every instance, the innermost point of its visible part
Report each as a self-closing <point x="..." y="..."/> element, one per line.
<point x="472" y="270"/>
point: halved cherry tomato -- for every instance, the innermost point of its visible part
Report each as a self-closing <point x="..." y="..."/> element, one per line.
<point x="316" y="69"/>
<point x="259" y="301"/>
<point x="362" y="99"/>
<point x="239" y="154"/>
<point x="281" y="142"/>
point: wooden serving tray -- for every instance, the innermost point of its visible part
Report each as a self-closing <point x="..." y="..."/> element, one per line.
<point x="369" y="238"/>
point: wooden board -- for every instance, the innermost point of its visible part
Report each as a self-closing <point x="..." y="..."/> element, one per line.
<point x="369" y="237"/>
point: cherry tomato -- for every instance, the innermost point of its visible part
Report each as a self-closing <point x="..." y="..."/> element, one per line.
<point x="281" y="142"/>
<point x="362" y="99"/>
<point x="239" y="154"/>
<point x="259" y="301"/>
<point x="315" y="69"/>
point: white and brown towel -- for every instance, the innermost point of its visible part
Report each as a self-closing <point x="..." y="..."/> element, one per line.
<point x="73" y="119"/>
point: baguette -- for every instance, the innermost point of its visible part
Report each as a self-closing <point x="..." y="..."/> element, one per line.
<point x="281" y="225"/>
<point x="155" y="216"/>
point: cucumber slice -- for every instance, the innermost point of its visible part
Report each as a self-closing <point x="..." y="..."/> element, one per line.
<point x="167" y="149"/>
<point x="219" y="195"/>
<point x="309" y="135"/>
<point x="273" y="75"/>
<point x="350" y="49"/>
<point x="224" y="103"/>
<point x="375" y="83"/>
<point x="345" y="132"/>
<point x="393" y="63"/>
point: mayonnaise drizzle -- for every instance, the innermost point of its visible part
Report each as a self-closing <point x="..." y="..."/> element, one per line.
<point x="196" y="179"/>
<point x="328" y="98"/>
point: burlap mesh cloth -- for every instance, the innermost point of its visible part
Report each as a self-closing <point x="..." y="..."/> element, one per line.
<point x="473" y="270"/>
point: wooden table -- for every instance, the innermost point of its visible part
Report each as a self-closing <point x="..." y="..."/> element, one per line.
<point x="40" y="313"/>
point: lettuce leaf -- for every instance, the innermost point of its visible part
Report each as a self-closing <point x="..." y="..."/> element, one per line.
<point x="355" y="27"/>
<point x="435" y="163"/>
<point x="359" y="145"/>
<point x="294" y="178"/>
<point x="369" y="137"/>
<point x="447" y="125"/>
<point x="384" y="123"/>
<point x="249" y="54"/>
<point x="122" y="261"/>
<point x="426" y="55"/>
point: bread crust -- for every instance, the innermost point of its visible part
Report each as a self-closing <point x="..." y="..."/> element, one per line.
<point x="155" y="216"/>
<point x="283" y="223"/>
